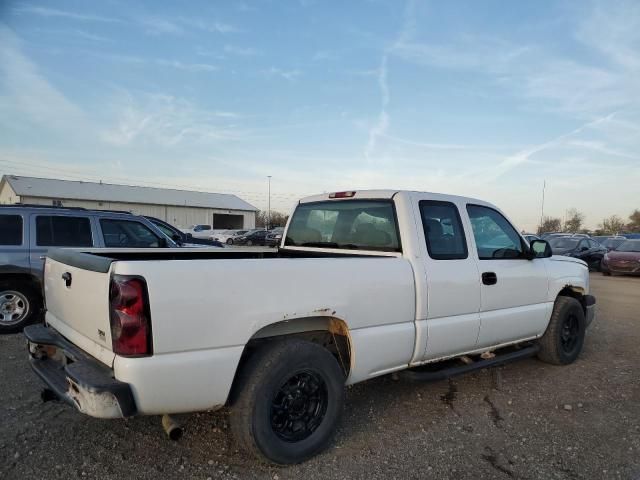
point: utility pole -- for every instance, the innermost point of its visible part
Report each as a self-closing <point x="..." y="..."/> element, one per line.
<point x="544" y="184"/>
<point x="269" y="202"/>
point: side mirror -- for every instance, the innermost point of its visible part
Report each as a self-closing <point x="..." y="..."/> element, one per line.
<point x="539" y="249"/>
<point x="177" y="238"/>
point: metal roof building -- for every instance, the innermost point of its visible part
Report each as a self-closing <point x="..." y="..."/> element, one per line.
<point x="178" y="207"/>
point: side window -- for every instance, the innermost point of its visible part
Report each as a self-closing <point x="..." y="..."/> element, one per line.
<point x="164" y="229"/>
<point x="593" y="244"/>
<point x="127" y="234"/>
<point x="63" y="231"/>
<point x="583" y="244"/>
<point x="443" y="230"/>
<point x="495" y="236"/>
<point x="10" y="230"/>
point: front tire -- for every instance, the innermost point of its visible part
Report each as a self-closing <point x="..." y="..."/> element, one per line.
<point x="20" y="305"/>
<point x="562" y="342"/>
<point x="287" y="401"/>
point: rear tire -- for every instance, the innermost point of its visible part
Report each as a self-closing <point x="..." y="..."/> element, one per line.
<point x="562" y="342"/>
<point x="230" y="242"/>
<point x="287" y="401"/>
<point x="20" y="305"/>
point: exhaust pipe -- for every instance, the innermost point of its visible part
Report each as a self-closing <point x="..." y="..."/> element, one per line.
<point x="172" y="427"/>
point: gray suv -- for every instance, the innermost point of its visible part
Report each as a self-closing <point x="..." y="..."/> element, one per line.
<point x="28" y="231"/>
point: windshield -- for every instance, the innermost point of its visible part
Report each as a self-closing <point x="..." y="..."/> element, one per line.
<point x="164" y="229"/>
<point x="613" y="243"/>
<point x="629" y="246"/>
<point x="348" y="224"/>
<point x="563" y="243"/>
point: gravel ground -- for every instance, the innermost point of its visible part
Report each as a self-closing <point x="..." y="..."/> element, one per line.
<point x="529" y="421"/>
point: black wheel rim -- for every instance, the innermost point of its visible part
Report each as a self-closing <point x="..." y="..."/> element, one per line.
<point x="299" y="406"/>
<point x="570" y="333"/>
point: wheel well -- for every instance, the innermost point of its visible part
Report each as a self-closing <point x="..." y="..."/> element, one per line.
<point x="574" y="292"/>
<point x="329" y="332"/>
<point x="22" y="278"/>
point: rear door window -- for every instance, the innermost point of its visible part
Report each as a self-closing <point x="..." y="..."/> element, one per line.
<point x="443" y="230"/>
<point x="127" y="234"/>
<point x="63" y="231"/>
<point x="10" y="230"/>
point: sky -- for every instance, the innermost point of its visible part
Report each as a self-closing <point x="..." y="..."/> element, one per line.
<point x="486" y="99"/>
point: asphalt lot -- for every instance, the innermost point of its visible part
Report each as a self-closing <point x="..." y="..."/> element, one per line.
<point x="536" y="422"/>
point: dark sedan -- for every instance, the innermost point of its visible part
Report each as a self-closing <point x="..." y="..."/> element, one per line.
<point x="583" y="248"/>
<point x="624" y="259"/>
<point x="274" y="237"/>
<point x="253" y="237"/>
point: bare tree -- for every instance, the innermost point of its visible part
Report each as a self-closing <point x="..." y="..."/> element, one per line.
<point x="574" y="221"/>
<point x="550" y="224"/>
<point x="612" y="225"/>
<point x="278" y="219"/>
<point x="634" y="221"/>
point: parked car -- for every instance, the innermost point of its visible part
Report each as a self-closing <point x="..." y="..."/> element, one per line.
<point x="624" y="259"/>
<point x="274" y="237"/>
<point x="199" y="231"/>
<point x="182" y="239"/>
<point x="252" y="237"/>
<point x="631" y="236"/>
<point x="228" y="236"/>
<point x="611" y="243"/>
<point x="365" y="284"/>
<point x="578" y="247"/>
<point x="529" y="237"/>
<point x="27" y="232"/>
<point x="548" y="235"/>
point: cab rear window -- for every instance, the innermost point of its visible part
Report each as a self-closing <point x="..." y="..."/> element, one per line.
<point x="10" y="230"/>
<point x="345" y="224"/>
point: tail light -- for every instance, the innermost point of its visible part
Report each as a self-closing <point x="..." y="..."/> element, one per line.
<point x="130" y="316"/>
<point x="342" y="194"/>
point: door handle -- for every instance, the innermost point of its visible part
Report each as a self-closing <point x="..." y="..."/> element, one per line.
<point x="489" y="278"/>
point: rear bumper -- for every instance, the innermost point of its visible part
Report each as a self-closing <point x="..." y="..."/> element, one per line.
<point x="77" y="378"/>
<point x="590" y="303"/>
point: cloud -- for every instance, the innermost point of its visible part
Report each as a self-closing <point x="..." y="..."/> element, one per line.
<point x="241" y="51"/>
<point x="52" y="12"/>
<point x="381" y="125"/>
<point x="289" y="75"/>
<point x="613" y="29"/>
<point x="74" y="32"/>
<point x="157" y="25"/>
<point x="166" y="121"/>
<point x="160" y="26"/>
<point x="161" y="62"/>
<point x="187" y="67"/>
<point x="26" y="93"/>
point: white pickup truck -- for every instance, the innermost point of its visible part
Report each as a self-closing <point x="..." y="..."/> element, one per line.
<point x="364" y="284"/>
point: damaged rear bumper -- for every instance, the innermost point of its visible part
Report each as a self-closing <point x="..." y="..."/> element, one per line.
<point x="76" y="377"/>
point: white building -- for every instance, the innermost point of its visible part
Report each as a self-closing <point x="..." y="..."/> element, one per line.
<point x="181" y="208"/>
